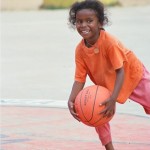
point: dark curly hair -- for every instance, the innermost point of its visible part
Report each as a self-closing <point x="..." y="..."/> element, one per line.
<point x="95" y="5"/>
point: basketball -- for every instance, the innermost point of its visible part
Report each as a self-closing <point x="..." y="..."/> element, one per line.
<point x="87" y="105"/>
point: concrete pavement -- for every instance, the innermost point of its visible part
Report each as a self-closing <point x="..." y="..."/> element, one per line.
<point x="48" y="125"/>
<point x="35" y="128"/>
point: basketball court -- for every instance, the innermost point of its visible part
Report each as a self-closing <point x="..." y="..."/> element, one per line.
<point x="35" y="128"/>
<point x="37" y="75"/>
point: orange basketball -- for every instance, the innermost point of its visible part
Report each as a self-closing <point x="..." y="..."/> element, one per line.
<point x="87" y="105"/>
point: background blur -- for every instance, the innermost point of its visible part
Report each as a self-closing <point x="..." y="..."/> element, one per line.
<point x="37" y="71"/>
<point x="52" y="4"/>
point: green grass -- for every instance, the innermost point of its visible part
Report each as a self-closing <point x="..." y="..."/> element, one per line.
<point x="60" y="4"/>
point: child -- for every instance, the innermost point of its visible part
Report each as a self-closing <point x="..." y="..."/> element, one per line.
<point x="107" y="62"/>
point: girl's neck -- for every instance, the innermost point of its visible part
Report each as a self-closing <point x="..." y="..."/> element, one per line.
<point x="91" y="43"/>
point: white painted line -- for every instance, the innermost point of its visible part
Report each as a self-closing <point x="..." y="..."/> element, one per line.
<point x="128" y="108"/>
<point x="34" y="103"/>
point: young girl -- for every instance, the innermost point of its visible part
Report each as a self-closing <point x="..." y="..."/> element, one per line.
<point x="107" y="62"/>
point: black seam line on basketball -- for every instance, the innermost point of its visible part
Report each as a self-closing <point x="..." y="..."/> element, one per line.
<point x="82" y="110"/>
<point x="93" y="108"/>
<point x="94" y="103"/>
<point x="99" y="120"/>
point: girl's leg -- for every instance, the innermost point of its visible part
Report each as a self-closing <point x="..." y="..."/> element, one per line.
<point x="141" y="93"/>
<point x="109" y="146"/>
<point x="105" y="136"/>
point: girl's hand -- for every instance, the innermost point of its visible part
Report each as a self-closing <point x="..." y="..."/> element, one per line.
<point x="109" y="107"/>
<point x="72" y="110"/>
<point x="76" y="88"/>
<point x="111" y="101"/>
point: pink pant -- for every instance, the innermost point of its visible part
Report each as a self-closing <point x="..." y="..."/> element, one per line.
<point x="140" y="95"/>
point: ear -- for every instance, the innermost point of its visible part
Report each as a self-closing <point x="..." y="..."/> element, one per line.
<point x="99" y="25"/>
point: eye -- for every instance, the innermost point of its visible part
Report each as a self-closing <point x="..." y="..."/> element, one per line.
<point x="89" y="20"/>
<point x="78" y="22"/>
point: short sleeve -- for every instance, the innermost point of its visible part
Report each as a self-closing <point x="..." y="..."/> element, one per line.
<point x="117" y="55"/>
<point x="80" y="71"/>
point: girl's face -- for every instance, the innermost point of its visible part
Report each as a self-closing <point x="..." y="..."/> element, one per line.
<point x="88" y="25"/>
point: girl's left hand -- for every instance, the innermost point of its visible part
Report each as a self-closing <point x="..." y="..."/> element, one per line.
<point x="109" y="107"/>
<point x="111" y="101"/>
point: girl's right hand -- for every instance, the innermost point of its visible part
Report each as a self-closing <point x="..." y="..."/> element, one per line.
<point x="72" y="110"/>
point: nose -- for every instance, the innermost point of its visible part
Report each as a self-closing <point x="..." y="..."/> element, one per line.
<point x="83" y="24"/>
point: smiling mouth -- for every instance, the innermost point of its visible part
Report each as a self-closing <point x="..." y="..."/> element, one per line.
<point x="85" y="32"/>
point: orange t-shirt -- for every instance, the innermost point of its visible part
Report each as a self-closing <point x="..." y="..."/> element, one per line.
<point x="100" y="67"/>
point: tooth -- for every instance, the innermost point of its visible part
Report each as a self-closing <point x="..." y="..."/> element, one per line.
<point x="85" y="31"/>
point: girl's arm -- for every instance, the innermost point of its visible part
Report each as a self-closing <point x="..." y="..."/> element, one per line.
<point x="76" y="88"/>
<point x="110" y="103"/>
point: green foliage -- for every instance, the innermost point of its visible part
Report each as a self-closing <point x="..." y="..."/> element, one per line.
<point x="59" y="4"/>
<point x="110" y="2"/>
